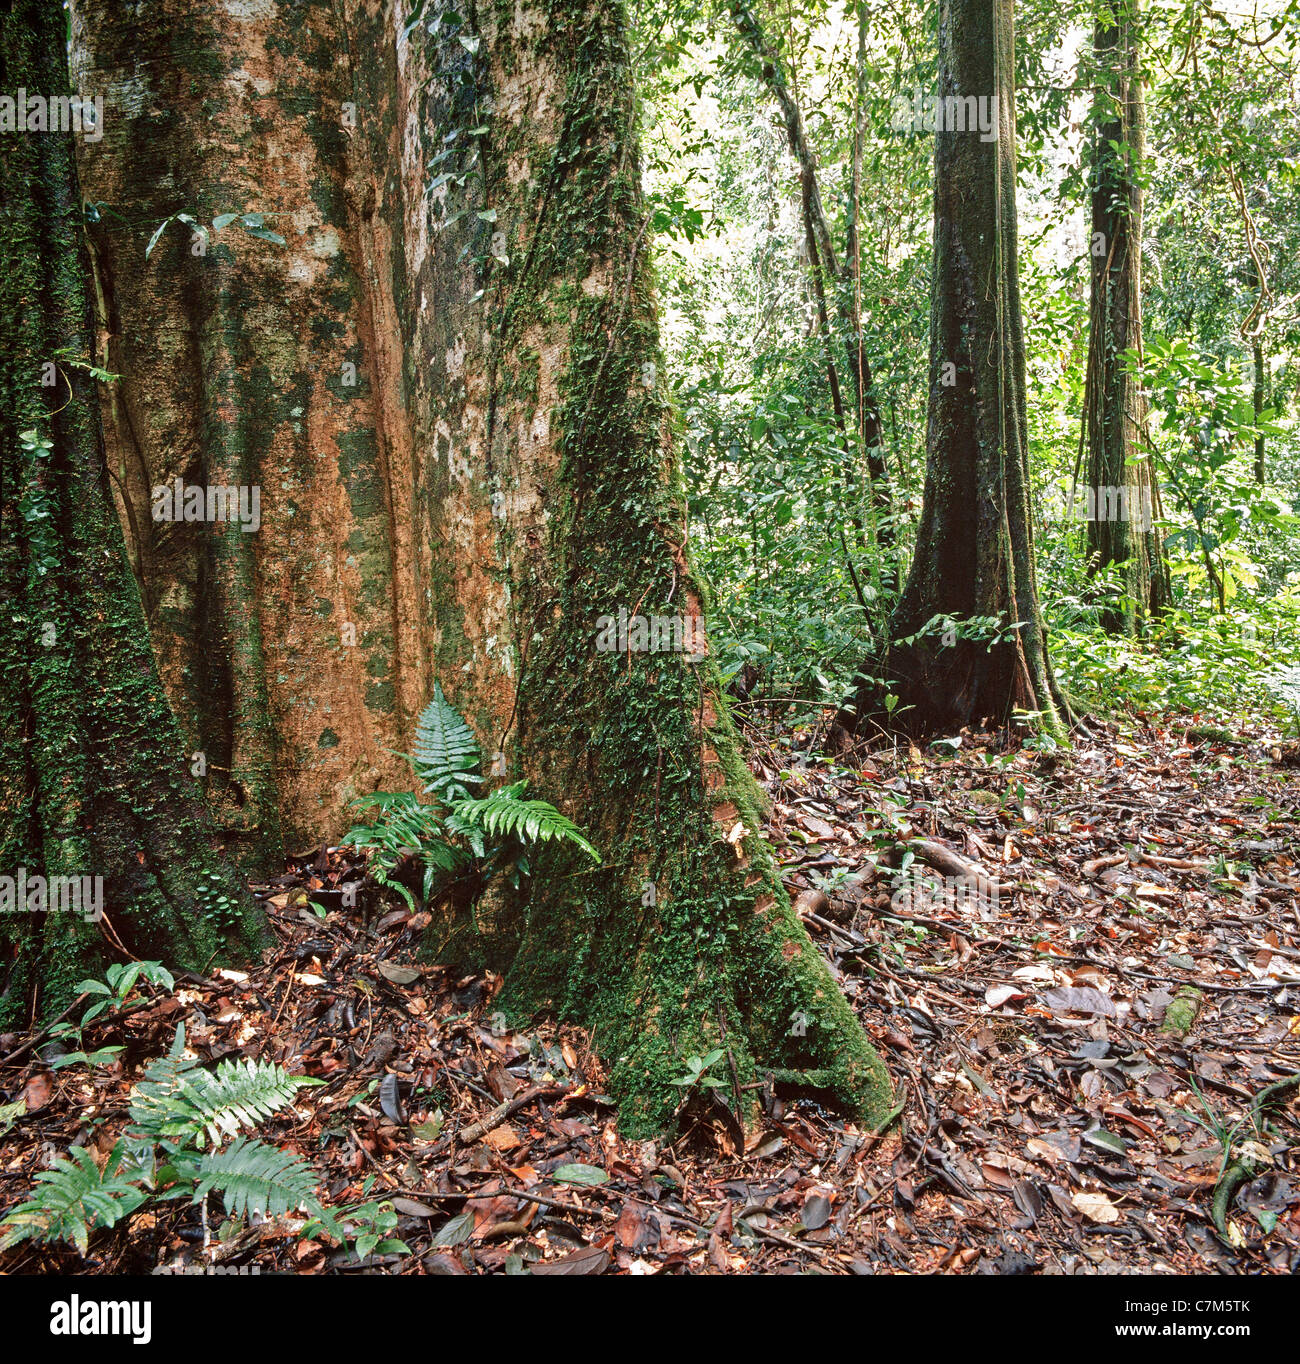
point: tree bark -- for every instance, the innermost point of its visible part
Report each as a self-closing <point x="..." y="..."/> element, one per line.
<point x="1121" y="530"/>
<point x="868" y="409"/>
<point x="294" y="656"/>
<point x="561" y="466"/>
<point x="492" y="229"/>
<point x="973" y="569"/>
<point x="825" y="270"/>
<point x="94" y="778"/>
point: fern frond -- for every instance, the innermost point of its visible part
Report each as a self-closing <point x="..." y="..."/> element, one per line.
<point x="241" y="1093"/>
<point x="72" y="1199"/>
<point x="405" y="827"/>
<point x="252" y="1176"/>
<point x="446" y="756"/>
<point x="153" y="1102"/>
<point x="506" y="812"/>
<point x="177" y="1101"/>
<point x="404" y="823"/>
<point x="386" y="802"/>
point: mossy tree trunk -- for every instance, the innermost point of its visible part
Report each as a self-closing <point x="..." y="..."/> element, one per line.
<point x="94" y="777"/>
<point x="492" y="281"/>
<point x="1121" y="529"/>
<point x="972" y="587"/>
<point x="557" y="493"/>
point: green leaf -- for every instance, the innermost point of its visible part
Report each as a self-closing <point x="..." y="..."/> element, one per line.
<point x="73" y="1198"/>
<point x="153" y="241"/>
<point x="177" y="1100"/>
<point x="1107" y="1141"/>
<point x="579" y="1174"/>
<point x="253" y="1177"/>
<point x="505" y="813"/>
<point x="430" y="1129"/>
<point x="193" y="222"/>
<point x="265" y="234"/>
<point x="9" y="1114"/>
<point x="104" y="1055"/>
<point x="456" y="1231"/>
<point x="447" y="755"/>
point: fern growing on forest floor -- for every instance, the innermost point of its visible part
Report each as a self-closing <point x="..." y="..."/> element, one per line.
<point x="458" y="833"/>
<point x="176" y="1147"/>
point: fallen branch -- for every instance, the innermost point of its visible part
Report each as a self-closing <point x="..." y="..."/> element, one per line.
<point x="953" y="864"/>
<point x="503" y="1111"/>
<point x="37" y="1038"/>
<point x="1099" y="864"/>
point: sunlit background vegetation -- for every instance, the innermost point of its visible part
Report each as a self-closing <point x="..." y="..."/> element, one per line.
<point x="747" y="362"/>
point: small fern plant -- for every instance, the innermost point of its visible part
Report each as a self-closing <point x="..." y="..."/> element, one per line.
<point x="186" y="1139"/>
<point x="457" y="834"/>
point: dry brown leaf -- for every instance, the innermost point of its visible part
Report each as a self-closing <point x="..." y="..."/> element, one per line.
<point x="1096" y="1207"/>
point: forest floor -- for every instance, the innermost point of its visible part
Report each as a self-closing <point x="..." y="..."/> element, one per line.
<point x="1057" y="1119"/>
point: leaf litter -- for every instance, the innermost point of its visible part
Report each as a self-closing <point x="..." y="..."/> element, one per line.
<point x="1097" y="1047"/>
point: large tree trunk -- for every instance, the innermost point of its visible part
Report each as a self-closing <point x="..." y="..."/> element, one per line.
<point x="558" y="475"/>
<point x="94" y="776"/>
<point x="296" y="655"/>
<point x="1121" y="525"/>
<point x="493" y="273"/>
<point x="974" y="552"/>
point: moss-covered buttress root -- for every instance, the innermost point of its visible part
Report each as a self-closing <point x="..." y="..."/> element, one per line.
<point x="557" y="491"/>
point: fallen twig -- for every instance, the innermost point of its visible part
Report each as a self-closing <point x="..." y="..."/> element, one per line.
<point x="503" y="1111"/>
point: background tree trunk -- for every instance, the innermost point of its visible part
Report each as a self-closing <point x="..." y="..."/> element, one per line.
<point x="974" y="550"/>
<point x="1115" y="412"/>
<point x="94" y="777"/>
<point x="826" y="272"/>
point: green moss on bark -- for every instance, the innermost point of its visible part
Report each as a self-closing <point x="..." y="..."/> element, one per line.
<point x="683" y="939"/>
<point x="93" y="771"/>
